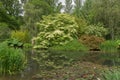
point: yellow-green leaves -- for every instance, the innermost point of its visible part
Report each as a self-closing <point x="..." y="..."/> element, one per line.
<point x="56" y="29"/>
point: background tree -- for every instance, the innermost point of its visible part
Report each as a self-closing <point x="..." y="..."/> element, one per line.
<point x="13" y="7"/>
<point x="35" y="9"/>
<point x="12" y="10"/>
<point x="77" y="8"/>
<point x="7" y="19"/>
<point x="68" y="6"/>
<point x="55" y="5"/>
<point x="107" y="12"/>
<point x="86" y="12"/>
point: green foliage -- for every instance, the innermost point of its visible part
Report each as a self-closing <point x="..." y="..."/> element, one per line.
<point x="14" y="43"/>
<point x="55" y="5"/>
<point x="82" y="23"/>
<point x="77" y="8"/>
<point x="11" y="60"/>
<point x="35" y="9"/>
<point x="106" y="12"/>
<point x="91" y="41"/>
<point x="73" y="45"/>
<point x="109" y="46"/>
<point x="86" y="11"/>
<point x="55" y="29"/>
<point x="22" y="36"/>
<point x="4" y="31"/>
<point x="113" y="74"/>
<point x="118" y="42"/>
<point x="9" y="14"/>
<point x="8" y="6"/>
<point x="97" y="30"/>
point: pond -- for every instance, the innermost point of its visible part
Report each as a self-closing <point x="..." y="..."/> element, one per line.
<point x="33" y="67"/>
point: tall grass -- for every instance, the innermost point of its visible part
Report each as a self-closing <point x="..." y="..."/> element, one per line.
<point x="109" y="46"/>
<point x="11" y="60"/>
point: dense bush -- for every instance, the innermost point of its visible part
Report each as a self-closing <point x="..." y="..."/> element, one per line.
<point x="91" y="41"/>
<point x="55" y="29"/>
<point x="11" y="60"/>
<point x="22" y="36"/>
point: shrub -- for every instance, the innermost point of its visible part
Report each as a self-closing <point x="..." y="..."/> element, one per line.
<point x="91" y="41"/>
<point x="11" y="60"/>
<point x="109" y="46"/>
<point x="82" y="23"/>
<point x="97" y="30"/>
<point x="55" y="29"/>
<point x="22" y="36"/>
